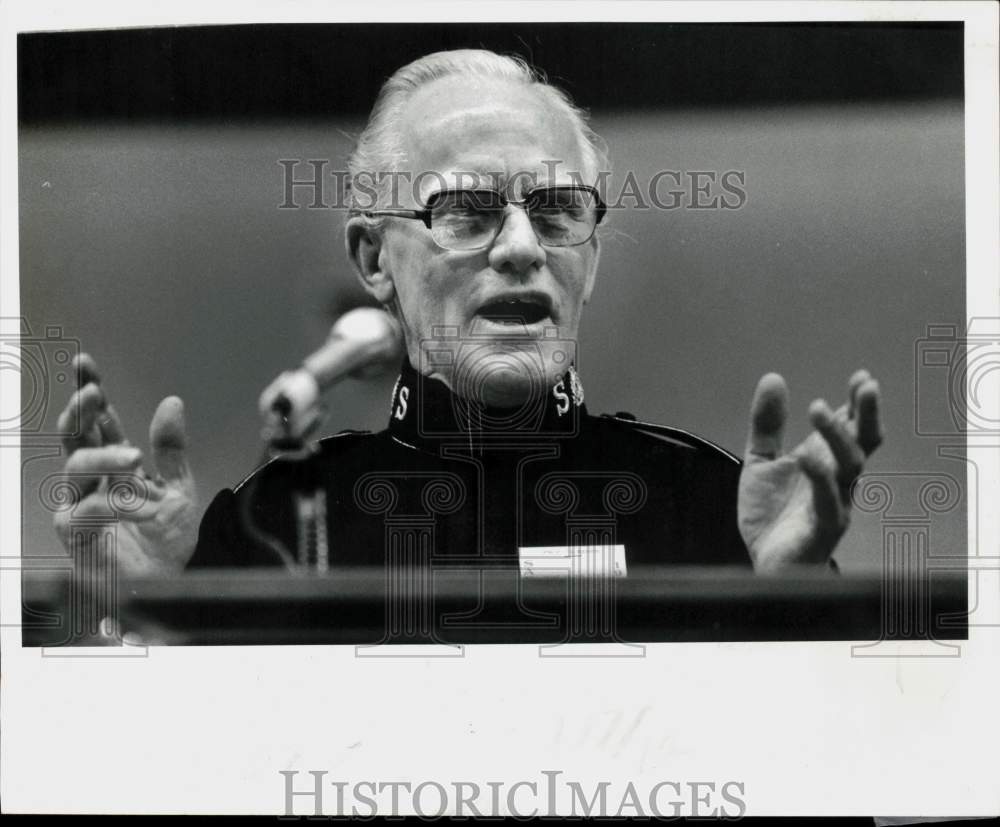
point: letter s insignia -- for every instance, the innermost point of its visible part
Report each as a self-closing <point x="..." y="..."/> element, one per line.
<point x="403" y="398"/>
<point x="562" y="398"/>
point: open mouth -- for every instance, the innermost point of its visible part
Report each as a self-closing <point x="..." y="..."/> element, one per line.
<point x="515" y="311"/>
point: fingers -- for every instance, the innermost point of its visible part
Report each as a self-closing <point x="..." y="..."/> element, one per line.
<point x="853" y="384"/>
<point x="845" y="448"/>
<point x="863" y="406"/>
<point x="110" y="426"/>
<point x="87" y="419"/>
<point x="87" y="466"/>
<point x="78" y="421"/>
<point x="827" y="499"/>
<point x="86" y="370"/>
<point x="168" y="438"/>
<point x="103" y="473"/>
<point x="98" y="507"/>
<point x="869" y="425"/>
<point x="768" y="414"/>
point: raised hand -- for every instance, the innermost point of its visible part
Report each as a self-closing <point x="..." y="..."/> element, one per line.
<point x="794" y="507"/>
<point x="156" y="517"/>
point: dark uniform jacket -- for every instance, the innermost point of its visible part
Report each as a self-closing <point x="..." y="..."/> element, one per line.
<point x="451" y="484"/>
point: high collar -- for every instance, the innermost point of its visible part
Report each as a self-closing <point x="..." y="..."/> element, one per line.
<point x="426" y="414"/>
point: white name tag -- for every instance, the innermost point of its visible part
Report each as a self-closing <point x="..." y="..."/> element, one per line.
<point x="572" y="561"/>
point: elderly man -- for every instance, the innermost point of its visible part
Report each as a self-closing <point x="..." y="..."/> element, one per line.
<point x="490" y="457"/>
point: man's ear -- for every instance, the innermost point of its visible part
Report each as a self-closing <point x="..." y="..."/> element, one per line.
<point x="364" y="249"/>
<point x="588" y="285"/>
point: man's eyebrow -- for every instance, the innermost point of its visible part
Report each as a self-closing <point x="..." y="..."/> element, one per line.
<point x="500" y="181"/>
<point x="465" y="178"/>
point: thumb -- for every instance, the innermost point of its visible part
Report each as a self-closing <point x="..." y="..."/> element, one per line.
<point x="768" y="414"/>
<point x="168" y="439"/>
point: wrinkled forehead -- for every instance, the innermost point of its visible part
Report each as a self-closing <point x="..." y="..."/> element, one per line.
<point x="462" y="132"/>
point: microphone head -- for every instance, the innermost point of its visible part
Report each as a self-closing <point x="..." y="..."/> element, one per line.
<point x="381" y="333"/>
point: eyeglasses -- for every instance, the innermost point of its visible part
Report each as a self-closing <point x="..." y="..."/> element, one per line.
<point x="470" y="219"/>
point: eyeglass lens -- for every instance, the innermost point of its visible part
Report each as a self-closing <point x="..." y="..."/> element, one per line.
<point x="470" y="219"/>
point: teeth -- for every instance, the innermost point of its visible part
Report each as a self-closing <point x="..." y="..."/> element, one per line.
<point x="515" y="311"/>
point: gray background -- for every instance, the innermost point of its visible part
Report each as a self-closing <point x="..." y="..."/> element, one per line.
<point x="164" y="252"/>
<point x="159" y="245"/>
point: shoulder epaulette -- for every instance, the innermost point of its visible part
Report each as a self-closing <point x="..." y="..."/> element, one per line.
<point x="324" y="442"/>
<point x="343" y="433"/>
<point x="667" y="433"/>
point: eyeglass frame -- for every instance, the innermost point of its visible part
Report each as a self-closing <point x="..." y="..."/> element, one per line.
<point x="427" y="212"/>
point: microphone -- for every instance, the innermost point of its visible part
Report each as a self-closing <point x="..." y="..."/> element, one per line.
<point x="362" y="344"/>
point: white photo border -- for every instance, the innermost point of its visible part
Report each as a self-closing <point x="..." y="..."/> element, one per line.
<point x="806" y="728"/>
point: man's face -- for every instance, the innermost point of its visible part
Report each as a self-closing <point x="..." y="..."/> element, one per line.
<point x="504" y="133"/>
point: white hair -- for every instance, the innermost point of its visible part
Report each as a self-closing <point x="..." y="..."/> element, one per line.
<point x="380" y="147"/>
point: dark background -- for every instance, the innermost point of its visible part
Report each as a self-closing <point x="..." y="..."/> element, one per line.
<point x="150" y="231"/>
<point x="320" y="71"/>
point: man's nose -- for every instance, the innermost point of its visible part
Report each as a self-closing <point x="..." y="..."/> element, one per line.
<point x="516" y="248"/>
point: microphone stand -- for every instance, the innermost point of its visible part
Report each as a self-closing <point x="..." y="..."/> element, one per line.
<point x="361" y="340"/>
<point x="308" y="496"/>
